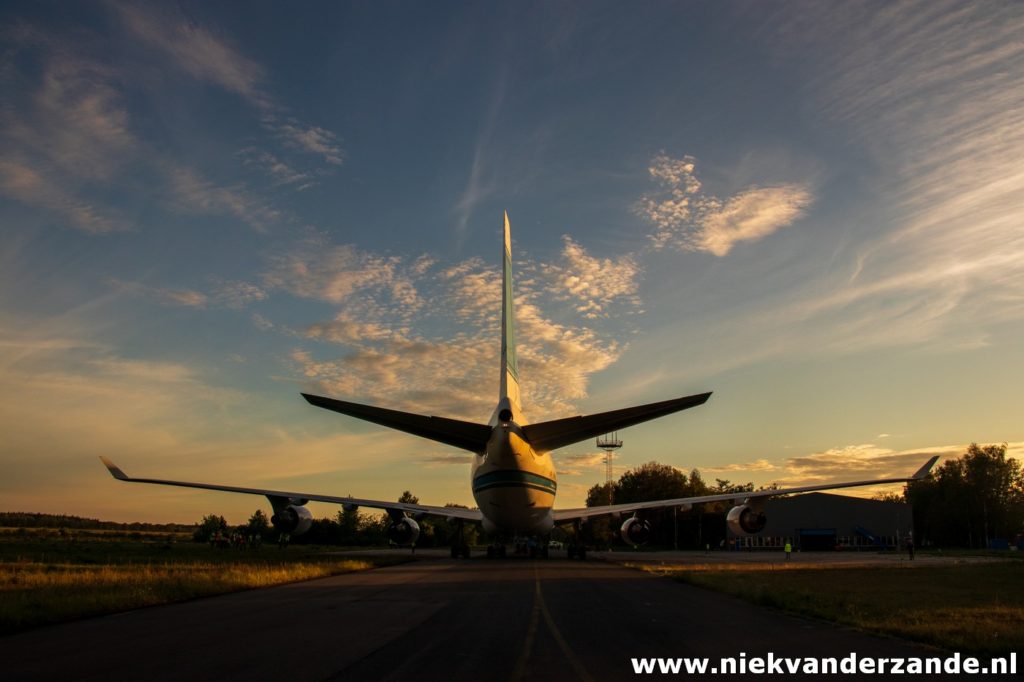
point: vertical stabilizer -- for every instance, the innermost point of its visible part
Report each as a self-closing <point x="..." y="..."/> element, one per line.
<point x="509" y="396"/>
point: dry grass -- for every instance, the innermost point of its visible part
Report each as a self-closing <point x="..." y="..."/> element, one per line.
<point x="36" y="589"/>
<point x="971" y="608"/>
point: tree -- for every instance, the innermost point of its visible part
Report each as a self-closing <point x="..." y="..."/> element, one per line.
<point x="349" y="520"/>
<point x="969" y="500"/>
<point x="208" y="526"/>
<point x="258" y="524"/>
<point x="654" y="481"/>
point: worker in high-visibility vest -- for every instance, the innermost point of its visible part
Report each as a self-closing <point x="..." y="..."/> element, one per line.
<point x="789" y="549"/>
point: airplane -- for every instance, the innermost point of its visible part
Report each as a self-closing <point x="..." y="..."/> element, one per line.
<point x="513" y="476"/>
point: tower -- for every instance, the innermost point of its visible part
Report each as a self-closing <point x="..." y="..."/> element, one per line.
<point x="609" y="442"/>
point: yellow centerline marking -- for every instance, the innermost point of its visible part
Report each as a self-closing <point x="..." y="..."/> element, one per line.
<point x="540" y="608"/>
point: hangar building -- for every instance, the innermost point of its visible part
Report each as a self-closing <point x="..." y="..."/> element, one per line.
<point x="820" y="521"/>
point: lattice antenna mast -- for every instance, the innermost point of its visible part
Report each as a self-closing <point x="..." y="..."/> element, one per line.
<point x="609" y="442"/>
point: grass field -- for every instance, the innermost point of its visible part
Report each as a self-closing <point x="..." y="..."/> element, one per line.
<point x="46" y="578"/>
<point x="973" y="608"/>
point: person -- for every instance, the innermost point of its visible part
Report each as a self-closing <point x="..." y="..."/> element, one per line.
<point x="910" y="547"/>
<point x="789" y="550"/>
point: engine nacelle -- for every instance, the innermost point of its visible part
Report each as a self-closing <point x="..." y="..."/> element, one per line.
<point x="293" y="519"/>
<point x="746" y="520"/>
<point x="635" y="531"/>
<point x="404" y="531"/>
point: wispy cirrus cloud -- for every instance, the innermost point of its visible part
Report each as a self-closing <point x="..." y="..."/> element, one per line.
<point x="212" y="58"/>
<point x="194" y="194"/>
<point x="36" y="187"/>
<point x="313" y="139"/>
<point x="934" y="91"/>
<point x="687" y="218"/>
<point x="197" y="51"/>
<point x="71" y="136"/>
<point x="68" y="136"/>
<point x="227" y="294"/>
<point x="283" y="173"/>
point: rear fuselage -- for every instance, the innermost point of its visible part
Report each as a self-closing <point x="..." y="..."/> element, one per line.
<point x="513" y="485"/>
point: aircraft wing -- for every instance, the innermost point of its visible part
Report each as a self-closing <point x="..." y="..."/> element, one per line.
<point x="465" y="435"/>
<point x="303" y="498"/>
<point x="551" y="435"/>
<point x="561" y="515"/>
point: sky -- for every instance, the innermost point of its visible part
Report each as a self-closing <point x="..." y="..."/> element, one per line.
<point x="814" y="210"/>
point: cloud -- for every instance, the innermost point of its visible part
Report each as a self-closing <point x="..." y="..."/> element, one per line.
<point x="749" y="216"/>
<point x="580" y="464"/>
<point x="64" y="399"/>
<point x="235" y="294"/>
<point x="193" y="194"/>
<point x="197" y="51"/>
<point x="933" y="92"/>
<point x="224" y="294"/>
<point x="755" y="466"/>
<point x="864" y="461"/>
<point x="440" y="358"/>
<point x="333" y="273"/>
<point x="67" y="134"/>
<point x="345" y="329"/>
<point x="687" y="219"/>
<point x="212" y="58"/>
<point x="70" y="138"/>
<point x="281" y="172"/>
<point x="594" y="283"/>
<point x="313" y="139"/>
<point x="23" y="183"/>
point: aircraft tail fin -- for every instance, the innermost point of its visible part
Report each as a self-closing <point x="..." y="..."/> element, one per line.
<point x="509" y="405"/>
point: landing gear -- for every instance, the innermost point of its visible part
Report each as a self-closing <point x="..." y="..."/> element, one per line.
<point x="577" y="550"/>
<point x="459" y="546"/>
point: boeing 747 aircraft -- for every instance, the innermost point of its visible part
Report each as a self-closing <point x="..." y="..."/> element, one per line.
<point x="513" y="476"/>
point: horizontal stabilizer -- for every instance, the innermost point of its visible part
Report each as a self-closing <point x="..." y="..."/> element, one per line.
<point x="465" y="435"/>
<point x="546" y="436"/>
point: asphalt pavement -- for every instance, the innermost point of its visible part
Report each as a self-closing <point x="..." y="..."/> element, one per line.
<point x="433" y="619"/>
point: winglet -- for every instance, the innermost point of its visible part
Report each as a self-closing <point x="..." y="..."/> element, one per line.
<point x="114" y="470"/>
<point x="923" y="471"/>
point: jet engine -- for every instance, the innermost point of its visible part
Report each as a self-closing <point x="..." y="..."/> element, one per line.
<point x="404" y="531"/>
<point x="293" y="519"/>
<point x="745" y="519"/>
<point x="635" y="531"/>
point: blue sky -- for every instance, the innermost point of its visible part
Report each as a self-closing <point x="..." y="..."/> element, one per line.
<point x="813" y="210"/>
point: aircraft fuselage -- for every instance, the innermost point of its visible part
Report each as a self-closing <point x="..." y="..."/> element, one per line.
<point x="513" y="485"/>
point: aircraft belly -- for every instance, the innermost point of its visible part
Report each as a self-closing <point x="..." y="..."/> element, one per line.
<point x="516" y="508"/>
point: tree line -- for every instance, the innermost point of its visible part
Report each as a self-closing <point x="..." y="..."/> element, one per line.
<point x="38" y="520"/>
<point x="968" y="501"/>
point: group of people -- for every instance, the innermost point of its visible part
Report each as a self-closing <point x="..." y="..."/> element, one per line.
<point x="235" y="540"/>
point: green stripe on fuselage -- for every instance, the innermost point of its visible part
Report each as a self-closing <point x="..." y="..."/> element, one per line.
<point x="513" y="477"/>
